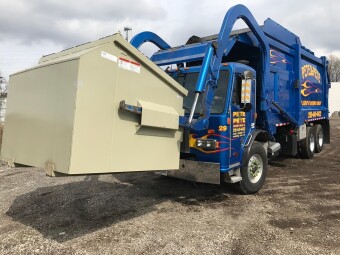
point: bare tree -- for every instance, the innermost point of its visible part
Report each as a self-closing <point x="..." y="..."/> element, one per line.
<point x="3" y="97"/>
<point x="334" y="68"/>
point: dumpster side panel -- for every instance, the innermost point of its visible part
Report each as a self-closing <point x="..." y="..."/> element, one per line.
<point x="39" y="117"/>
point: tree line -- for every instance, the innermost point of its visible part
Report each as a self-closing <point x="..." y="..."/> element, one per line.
<point x="334" y="68"/>
<point x="3" y="87"/>
<point x="3" y="97"/>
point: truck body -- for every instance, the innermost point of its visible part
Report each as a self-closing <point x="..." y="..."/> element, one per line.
<point x="248" y="95"/>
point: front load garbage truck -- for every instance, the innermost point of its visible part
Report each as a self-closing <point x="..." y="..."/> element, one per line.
<point x="212" y="110"/>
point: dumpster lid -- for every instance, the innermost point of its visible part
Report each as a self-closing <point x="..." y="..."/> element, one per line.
<point x="117" y="39"/>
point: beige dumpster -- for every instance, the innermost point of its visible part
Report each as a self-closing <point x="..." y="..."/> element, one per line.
<point x="64" y="115"/>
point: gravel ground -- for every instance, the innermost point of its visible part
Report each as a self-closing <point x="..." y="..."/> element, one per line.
<point x="296" y="212"/>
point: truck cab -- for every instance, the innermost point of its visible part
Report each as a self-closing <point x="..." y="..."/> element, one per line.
<point x="232" y="116"/>
<point x="232" y="120"/>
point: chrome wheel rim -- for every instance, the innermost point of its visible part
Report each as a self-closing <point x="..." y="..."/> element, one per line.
<point x="320" y="140"/>
<point x="311" y="143"/>
<point x="255" y="168"/>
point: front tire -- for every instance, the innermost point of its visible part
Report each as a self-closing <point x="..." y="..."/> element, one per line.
<point x="307" y="146"/>
<point x="318" y="134"/>
<point x="254" y="170"/>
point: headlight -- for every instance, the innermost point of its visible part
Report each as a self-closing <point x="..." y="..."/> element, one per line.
<point x="208" y="144"/>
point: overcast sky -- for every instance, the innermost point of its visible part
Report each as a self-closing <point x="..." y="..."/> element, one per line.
<point x="32" y="28"/>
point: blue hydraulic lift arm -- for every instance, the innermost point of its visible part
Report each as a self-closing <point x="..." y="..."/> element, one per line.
<point x="151" y="37"/>
<point x="221" y="49"/>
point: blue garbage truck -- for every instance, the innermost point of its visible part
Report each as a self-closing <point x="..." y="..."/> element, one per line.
<point x="254" y="93"/>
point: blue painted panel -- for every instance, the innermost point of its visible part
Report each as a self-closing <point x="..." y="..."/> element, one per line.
<point x="280" y="33"/>
<point x="180" y="54"/>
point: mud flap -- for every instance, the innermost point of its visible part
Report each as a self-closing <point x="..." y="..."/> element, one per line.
<point x="288" y="145"/>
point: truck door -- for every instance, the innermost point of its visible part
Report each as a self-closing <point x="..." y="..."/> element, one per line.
<point x="241" y="118"/>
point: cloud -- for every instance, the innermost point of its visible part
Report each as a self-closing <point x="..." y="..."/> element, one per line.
<point x="313" y="21"/>
<point x="72" y="22"/>
<point x="69" y="23"/>
<point x="57" y="24"/>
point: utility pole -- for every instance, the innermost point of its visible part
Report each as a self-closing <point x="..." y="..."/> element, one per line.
<point x="127" y="29"/>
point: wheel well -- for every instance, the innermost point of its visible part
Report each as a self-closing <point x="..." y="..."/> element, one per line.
<point x="262" y="136"/>
<point x="258" y="135"/>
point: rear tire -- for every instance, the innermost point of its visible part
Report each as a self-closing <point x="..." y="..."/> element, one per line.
<point x="307" y="146"/>
<point x="318" y="134"/>
<point x="254" y="170"/>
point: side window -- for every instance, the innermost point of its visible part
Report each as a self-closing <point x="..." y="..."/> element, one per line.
<point x="219" y="101"/>
<point x="241" y="96"/>
<point x="236" y="98"/>
<point x="189" y="80"/>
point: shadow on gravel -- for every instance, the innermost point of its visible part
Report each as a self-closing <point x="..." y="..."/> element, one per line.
<point x="282" y="160"/>
<point x="67" y="211"/>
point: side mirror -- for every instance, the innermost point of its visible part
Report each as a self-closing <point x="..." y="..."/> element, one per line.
<point x="246" y="91"/>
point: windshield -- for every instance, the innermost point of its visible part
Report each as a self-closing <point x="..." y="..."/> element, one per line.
<point x="188" y="81"/>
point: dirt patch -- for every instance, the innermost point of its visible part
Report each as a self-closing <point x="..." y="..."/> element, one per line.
<point x="297" y="212"/>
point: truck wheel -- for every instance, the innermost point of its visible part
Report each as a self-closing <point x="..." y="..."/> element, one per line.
<point x="254" y="170"/>
<point x="307" y="146"/>
<point x="318" y="134"/>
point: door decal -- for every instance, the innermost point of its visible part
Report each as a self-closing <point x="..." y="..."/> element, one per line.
<point x="239" y="124"/>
